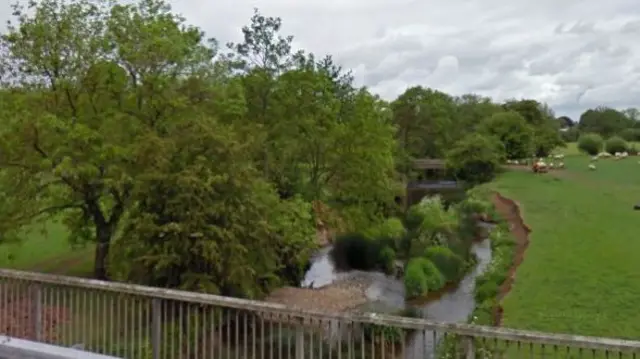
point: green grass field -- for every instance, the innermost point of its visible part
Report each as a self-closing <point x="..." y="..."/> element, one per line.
<point x="581" y="272"/>
<point x="47" y="249"/>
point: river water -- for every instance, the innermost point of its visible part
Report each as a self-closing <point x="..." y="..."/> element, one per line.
<point x="386" y="293"/>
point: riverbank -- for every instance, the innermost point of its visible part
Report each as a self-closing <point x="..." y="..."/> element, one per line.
<point x="512" y="213"/>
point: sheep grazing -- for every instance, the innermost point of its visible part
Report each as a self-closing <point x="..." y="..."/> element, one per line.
<point x="592" y="167"/>
<point x="561" y="165"/>
<point x="559" y="156"/>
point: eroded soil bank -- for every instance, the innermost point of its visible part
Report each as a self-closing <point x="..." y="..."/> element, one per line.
<point x="512" y="212"/>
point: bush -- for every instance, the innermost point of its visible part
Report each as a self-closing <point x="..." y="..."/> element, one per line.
<point x="633" y="150"/>
<point x="421" y="276"/>
<point x="415" y="281"/>
<point x="391" y="228"/>
<point x="448" y="263"/>
<point x="616" y="144"/>
<point x="590" y="143"/>
<point x="387" y="259"/>
<point x="428" y="223"/>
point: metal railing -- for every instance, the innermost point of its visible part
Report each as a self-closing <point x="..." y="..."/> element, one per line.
<point x="132" y="321"/>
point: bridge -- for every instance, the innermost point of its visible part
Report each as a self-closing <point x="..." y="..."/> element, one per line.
<point x="131" y="321"/>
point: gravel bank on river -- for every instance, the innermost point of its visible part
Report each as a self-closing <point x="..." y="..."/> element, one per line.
<point x="341" y="296"/>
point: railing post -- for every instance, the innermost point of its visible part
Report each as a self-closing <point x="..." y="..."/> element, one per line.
<point x="299" y="343"/>
<point x="156" y="327"/>
<point x="300" y="339"/>
<point x="469" y="348"/>
<point x="36" y="311"/>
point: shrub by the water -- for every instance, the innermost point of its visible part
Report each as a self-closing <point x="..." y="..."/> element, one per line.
<point x="390" y="228"/>
<point x="448" y="263"/>
<point x="615" y="144"/>
<point x="590" y="143"/>
<point x="415" y="281"/>
<point x="422" y="276"/>
<point x="387" y="259"/>
<point x="428" y="223"/>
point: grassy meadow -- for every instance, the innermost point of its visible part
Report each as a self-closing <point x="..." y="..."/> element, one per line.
<point x="581" y="271"/>
<point x="46" y="248"/>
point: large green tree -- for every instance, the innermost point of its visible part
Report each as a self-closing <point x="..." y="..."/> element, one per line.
<point x="99" y="85"/>
<point x="605" y="121"/>
<point x="542" y="119"/>
<point x="513" y="131"/>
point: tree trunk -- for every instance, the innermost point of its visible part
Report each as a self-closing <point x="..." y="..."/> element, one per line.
<point x="102" y="253"/>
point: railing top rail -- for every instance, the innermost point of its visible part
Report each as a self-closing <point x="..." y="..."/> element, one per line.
<point x="497" y="333"/>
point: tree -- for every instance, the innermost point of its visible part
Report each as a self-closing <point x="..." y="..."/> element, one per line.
<point x="98" y="88"/>
<point x="206" y="220"/>
<point x="424" y="118"/>
<point x="604" y="121"/>
<point x="513" y="131"/>
<point x="541" y="118"/>
<point x="476" y="158"/>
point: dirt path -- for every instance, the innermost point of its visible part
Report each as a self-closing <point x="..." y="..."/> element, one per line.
<point x="511" y="211"/>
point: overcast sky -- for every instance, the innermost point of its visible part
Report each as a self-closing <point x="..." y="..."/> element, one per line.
<point x="572" y="54"/>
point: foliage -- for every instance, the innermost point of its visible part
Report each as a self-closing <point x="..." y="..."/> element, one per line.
<point x="422" y="276"/>
<point x="604" y="121"/>
<point x="475" y="158"/>
<point x="590" y="143"/>
<point x="541" y="118"/>
<point x="112" y="141"/>
<point x="187" y="235"/>
<point x="615" y="144"/>
<point x="513" y="131"/>
<point x="630" y="134"/>
<point x="428" y="223"/>
<point x="391" y="228"/>
<point x="450" y="264"/>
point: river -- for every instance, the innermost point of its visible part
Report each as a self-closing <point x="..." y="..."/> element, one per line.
<point x="386" y="293"/>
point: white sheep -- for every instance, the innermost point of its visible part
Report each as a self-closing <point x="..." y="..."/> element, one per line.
<point x="592" y="166"/>
<point x="559" y="156"/>
<point x="561" y="165"/>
